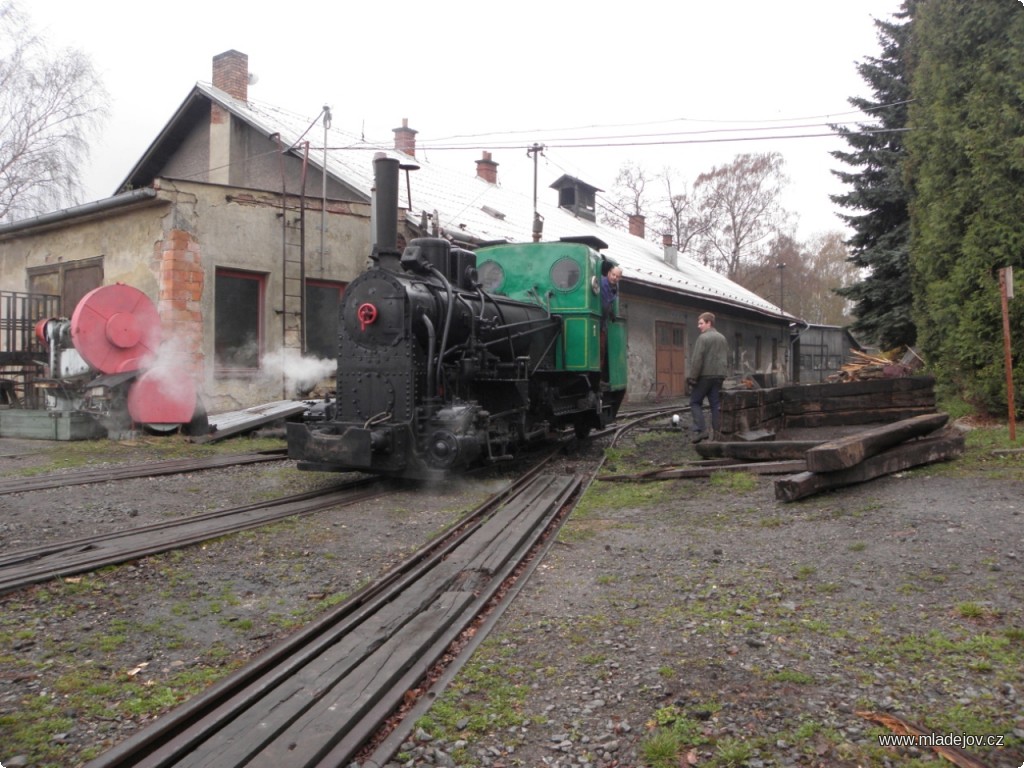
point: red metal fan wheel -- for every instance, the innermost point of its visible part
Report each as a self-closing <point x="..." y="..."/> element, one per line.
<point x="116" y="328"/>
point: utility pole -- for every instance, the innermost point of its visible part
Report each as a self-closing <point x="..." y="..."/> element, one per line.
<point x="1005" y="294"/>
<point x="538" y="221"/>
<point x="787" y="362"/>
<point x="782" y="287"/>
<point x="323" y="195"/>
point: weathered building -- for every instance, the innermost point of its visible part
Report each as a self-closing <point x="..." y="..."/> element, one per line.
<point x="245" y="235"/>
<point x="821" y="350"/>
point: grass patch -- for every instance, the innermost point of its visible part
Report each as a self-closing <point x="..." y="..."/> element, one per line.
<point x="804" y="572"/>
<point x="791" y="676"/>
<point x="484" y="697"/>
<point x="77" y="454"/>
<point x="734" y="482"/>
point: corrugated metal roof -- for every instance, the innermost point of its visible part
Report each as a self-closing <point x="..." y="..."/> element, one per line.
<point x="477" y="210"/>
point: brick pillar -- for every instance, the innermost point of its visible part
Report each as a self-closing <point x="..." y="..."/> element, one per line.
<point x="181" y="293"/>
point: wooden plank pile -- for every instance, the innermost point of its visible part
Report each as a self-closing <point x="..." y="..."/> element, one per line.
<point x="873" y="453"/>
<point x="827" y="405"/>
<point x="864" y="367"/>
<point x="746" y="410"/>
<point x="911" y="432"/>
<point x="858" y="402"/>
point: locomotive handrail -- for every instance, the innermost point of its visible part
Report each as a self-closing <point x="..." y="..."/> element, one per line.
<point x="450" y="310"/>
<point x="507" y="337"/>
<point x="547" y="349"/>
<point x="379" y="418"/>
<point x="431" y="342"/>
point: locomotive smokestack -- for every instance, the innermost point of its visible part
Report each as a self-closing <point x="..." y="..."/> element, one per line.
<point x="385" y="212"/>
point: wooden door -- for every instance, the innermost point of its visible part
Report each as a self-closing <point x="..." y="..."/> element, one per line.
<point x="670" y="358"/>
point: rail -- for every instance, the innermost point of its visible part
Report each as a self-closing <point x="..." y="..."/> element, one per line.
<point x="321" y="696"/>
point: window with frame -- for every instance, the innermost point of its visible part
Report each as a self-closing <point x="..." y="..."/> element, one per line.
<point x="238" y="321"/>
<point x="71" y="280"/>
<point x="323" y="304"/>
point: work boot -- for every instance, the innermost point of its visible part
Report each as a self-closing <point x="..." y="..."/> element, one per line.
<point x="699" y="437"/>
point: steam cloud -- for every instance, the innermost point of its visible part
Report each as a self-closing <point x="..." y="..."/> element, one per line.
<point x="301" y="374"/>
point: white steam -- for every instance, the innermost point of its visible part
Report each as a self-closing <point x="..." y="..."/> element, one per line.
<point x="173" y="368"/>
<point x="300" y="374"/>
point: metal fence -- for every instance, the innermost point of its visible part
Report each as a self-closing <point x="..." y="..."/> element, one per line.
<point x="19" y="313"/>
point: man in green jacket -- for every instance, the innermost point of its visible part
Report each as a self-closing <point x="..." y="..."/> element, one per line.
<point x="709" y="365"/>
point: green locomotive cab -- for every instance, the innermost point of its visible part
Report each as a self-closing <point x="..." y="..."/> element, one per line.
<point x="565" y="278"/>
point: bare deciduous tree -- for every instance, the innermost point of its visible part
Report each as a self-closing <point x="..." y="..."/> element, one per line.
<point x="831" y="267"/>
<point x="802" y="278"/>
<point x="682" y="216"/>
<point x="49" y="105"/>
<point x="779" y="274"/>
<point x="741" y="202"/>
<point x="628" y="197"/>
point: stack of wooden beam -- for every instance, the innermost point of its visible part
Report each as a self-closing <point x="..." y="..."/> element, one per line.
<point x="872" y="453"/>
<point x="826" y="405"/>
<point x="911" y="432"/>
<point x="858" y="402"/>
<point x="822" y="465"/>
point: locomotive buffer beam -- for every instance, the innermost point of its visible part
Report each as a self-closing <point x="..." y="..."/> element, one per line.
<point x="354" y="447"/>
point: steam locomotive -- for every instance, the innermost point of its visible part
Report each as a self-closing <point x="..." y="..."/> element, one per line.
<point x="449" y="358"/>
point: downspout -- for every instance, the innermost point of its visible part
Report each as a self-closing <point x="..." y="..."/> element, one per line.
<point x="284" y="256"/>
<point x="302" y="249"/>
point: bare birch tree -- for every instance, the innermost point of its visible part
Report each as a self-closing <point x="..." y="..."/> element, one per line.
<point x="741" y="202"/>
<point x="49" y="106"/>
<point x="681" y="215"/>
<point x="628" y="197"/>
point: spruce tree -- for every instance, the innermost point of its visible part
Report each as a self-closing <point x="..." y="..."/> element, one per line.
<point x="966" y="174"/>
<point x="880" y="245"/>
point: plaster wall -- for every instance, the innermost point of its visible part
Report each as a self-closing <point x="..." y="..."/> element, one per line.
<point x="241" y="229"/>
<point x="124" y="239"/>
<point x="208" y="227"/>
<point x="644" y="312"/>
<point x="256" y="163"/>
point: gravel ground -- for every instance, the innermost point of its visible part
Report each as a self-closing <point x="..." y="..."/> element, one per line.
<point x="685" y="622"/>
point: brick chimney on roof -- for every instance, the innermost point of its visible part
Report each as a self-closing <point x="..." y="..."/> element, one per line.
<point x="671" y="252"/>
<point x="405" y="138"/>
<point x="487" y="169"/>
<point x="637" y="224"/>
<point x="231" y="74"/>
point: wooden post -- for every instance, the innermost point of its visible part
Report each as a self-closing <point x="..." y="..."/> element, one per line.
<point x="1005" y="291"/>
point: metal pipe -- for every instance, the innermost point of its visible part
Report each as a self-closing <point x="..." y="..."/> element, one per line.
<point x="323" y="196"/>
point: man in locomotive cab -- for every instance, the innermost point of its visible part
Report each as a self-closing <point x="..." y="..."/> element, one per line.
<point x="609" y="299"/>
<point x="609" y="293"/>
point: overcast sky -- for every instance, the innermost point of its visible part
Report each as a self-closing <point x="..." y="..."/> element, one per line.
<point x="500" y="77"/>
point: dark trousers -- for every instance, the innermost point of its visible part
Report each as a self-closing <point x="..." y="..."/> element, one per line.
<point x="709" y="387"/>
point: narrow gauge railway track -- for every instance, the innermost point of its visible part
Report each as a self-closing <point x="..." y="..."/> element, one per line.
<point x="37" y="564"/>
<point x="151" y="469"/>
<point x="322" y="695"/>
